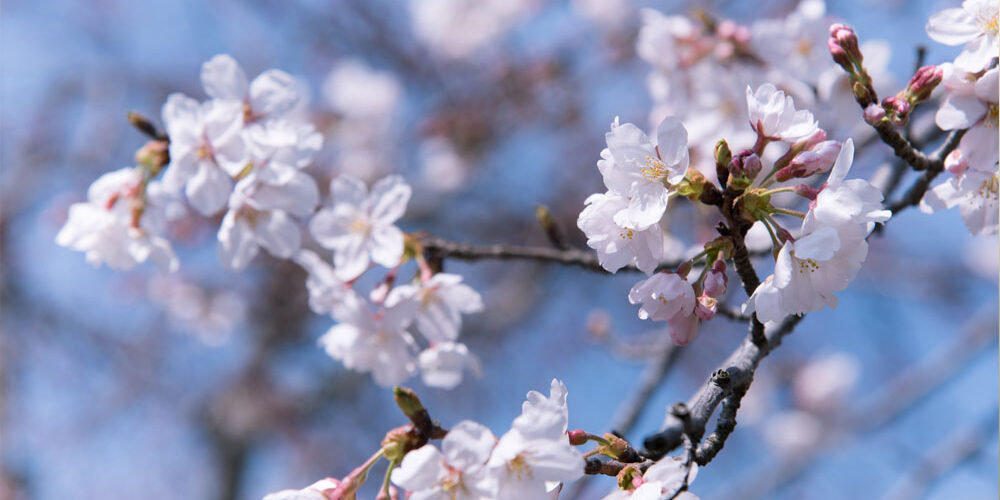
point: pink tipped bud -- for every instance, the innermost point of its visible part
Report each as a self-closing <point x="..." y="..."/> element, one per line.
<point x="806" y="192"/>
<point x="577" y="437"/>
<point x="923" y="83"/>
<point x="898" y="108"/>
<point x="874" y="114"/>
<point x="746" y="164"/>
<point x="815" y="138"/>
<point x="715" y="280"/>
<point x="843" y="45"/>
<point x="819" y="159"/>
<point x="706" y="307"/>
<point x="955" y="163"/>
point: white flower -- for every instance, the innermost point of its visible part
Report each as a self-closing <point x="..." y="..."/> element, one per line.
<point x="443" y="365"/>
<point x="326" y="290"/>
<point x="359" y="226"/>
<point x="667" y="297"/>
<point x="823" y="385"/>
<point x="435" y="23"/>
<point x="807" y="272"/>
<point x="848" y="205"/>
<point x="773" y="115"/>
<point x="119" y="225"/>
<point x="258" y="215"/>
<point x="359" y="92"/>
<point x="535" y="451"/>
<point x="661" y="480"/>
<point x="975" y="25"/>
<point x="618" y="246"/>
<point x="972" y="104"/>
<point x="316" y="491"/>
<point x="661" y="296"/>
<point x="206" y="150"/>
<point x="454" y="472"/>
<point x="270" y="95"/>
<point x="796" y="44"/>
<point x="639" y="171"/>
<point x="369" y="340"/>
<point x="975" y="193"/>
<point x="440" y="303"/>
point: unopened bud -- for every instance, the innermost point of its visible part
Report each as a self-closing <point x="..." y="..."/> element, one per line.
<point x="897" y="108"/>
<point x="706" y="307"/>
<point x="874" y="114"/>
<point x="630" y="477"/>
<point x="923" y="83"/>
<point x="153" y="155"/>
<point x="819" y="159"/>
<point x="715" y="280"/>
<point x="806" y="192"/>
<point x="145" y="126"/>
<point x="723" y="155"/>
<point x="577" y="437"/>
<point x="398" y="442"/>
<point x="616" y="448"/>
<point x="409" y="403"/>
<point x="861" y="93"/>
<point x="843" y="45"/>
<point x="746" y="164"/>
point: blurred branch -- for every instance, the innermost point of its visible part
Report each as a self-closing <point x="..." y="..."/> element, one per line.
<point x="957" y="447"/>
<point x="899" y="395"/>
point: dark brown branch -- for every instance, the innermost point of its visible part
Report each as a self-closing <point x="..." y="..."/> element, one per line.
<point x="739" y="369"/>
<point x="920" y="186"/>
<point x="440" y="248"/>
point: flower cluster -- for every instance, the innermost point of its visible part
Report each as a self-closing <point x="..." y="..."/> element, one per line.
<point x="373" y="333"/>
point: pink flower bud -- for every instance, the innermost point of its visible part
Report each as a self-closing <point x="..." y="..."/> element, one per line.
<point x="806" y="192"/>
<point x="819" y="159"/>
<point x="923" y="83"/>
<point x="899" y="107"/>
<point x="745" y="164"/>
<point x="706" y="307"/>
<point x="715" y="280"/>
<point x="874" y="114"/>
<point x="843" y="45"/>
<point x="577" y="437"/>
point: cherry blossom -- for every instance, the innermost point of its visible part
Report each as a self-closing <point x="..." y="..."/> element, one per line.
<point x="636" y="169"/>
<point x="372" y="340"/>
<point x="535" y="451"/>
<point x="359" y="227"/>
<point x="662" y="480"/>
<point x="974" y="192"/>
<point x="976" y="25"/>
<point x="455" y="471"/>
<point x="618" y="246"/>
<point x="207" y="149"/>
<point x="121" y="222"/>
<point x="667" y="297"/>
<point x="440" y="302"/>
<point x="972" y="104"/>
<point x="773" y="115"/>
<point x="270" y="95"/>
<point x="319" y="490"/>
<point x="443" y="365"/>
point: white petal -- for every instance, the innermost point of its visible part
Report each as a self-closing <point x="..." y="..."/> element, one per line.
<point x="420" y="469"/>
<point x="387" y="246"/>
<point x="952" y="27"/>
<point x="389" y="197"/>
<point x="273" y="93"/>
<point x="278" y="233"/>
<point x="223" y="78"/>
<point x="209" y="188"/>
<point x="468" y="444"/>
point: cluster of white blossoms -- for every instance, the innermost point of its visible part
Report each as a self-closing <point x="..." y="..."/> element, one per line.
<point x="531" y="461"/>
<point x="243" y="151"/>
<point x="971" y="103"/>
<point x="701" y="67"/>
<point x="624" y="224"/>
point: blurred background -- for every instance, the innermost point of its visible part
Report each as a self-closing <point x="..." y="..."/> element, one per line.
<point x="209" y="384"/>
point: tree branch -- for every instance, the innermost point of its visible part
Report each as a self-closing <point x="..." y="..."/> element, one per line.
<point x="735" y="374"/>
<point x="441" y="248"/>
